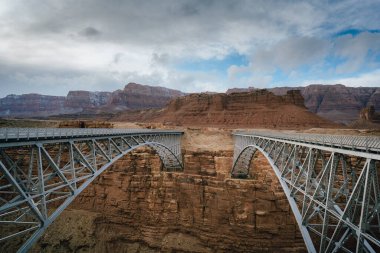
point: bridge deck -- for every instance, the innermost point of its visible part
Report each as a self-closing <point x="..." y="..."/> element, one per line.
<point x="331" y="183"/>
<point x="25" y="134"/>
<point x="369" y="144"/>
<point x="42" y="170"/>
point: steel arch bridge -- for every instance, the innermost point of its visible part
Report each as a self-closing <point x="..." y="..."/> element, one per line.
<point x="330" y="181"/>
<point x="43" y="170"/>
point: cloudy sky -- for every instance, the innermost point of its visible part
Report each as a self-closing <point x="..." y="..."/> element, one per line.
<point x="53" y="46"/>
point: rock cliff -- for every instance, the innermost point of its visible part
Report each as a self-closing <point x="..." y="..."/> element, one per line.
<point x="137" y="96"/>
<point x="259" y="108"/>
<point x="79" y="100"/>
<point x="334" y="102"/>
<point x="368" y="118"/>
<point x="133" y="207"/>
<point x="31" y="105"/>
<point x="133" y="96"/>
<point x="337" y="103"/>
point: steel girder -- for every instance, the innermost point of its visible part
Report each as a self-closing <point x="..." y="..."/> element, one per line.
<point x="332" y="190"/>
<point x="42" y="172"/>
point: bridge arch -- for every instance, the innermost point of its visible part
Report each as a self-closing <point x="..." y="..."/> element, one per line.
<point x="39" y="178"/>
<point x="244" y="159"/>
<point x="333" y="192"/>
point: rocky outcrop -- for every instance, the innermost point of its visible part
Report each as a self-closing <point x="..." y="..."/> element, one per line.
<point x="368" y="118"/>
<point x="133" y="96"/>
<point x="137" y="96"/>
<point x="368" y="114"/>
<point x="259" y="108"/>
<point x="80" y="100"/>
<point x="133" y="207"/>
<point x="31" y="105"/>
<point x="337" y="103"/>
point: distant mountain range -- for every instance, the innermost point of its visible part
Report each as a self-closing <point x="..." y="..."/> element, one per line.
<point x="334" y="102"/>
<point x="133" y="96"/>
<point x="337" y="102"/>
<point x="256" y="109"/>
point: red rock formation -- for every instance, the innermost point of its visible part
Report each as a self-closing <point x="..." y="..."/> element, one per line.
<point x="368" y="113"/>
<point x="368" y="119"/>
<point x="137" y="96"/>
<point x="134" y="206"/>
<point x="31" y="105"/>
<point x="81" y="100"/>
<point x="254" y="109"/>
<point x="134" y="96"/>
<point x="334" y="102"/>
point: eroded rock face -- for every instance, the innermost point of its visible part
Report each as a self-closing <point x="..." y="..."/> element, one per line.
<point x="334" y="102"/>
<point x="134" y="207"/>
<point x="259" y="108"/>
<point x="133" y="96"/>
<point x="81" y="100"/>
<point x="368" y="119"/>
<point x="39" y="105"/>
<point x="337" y="102"/>
<point x="137" y="96"/>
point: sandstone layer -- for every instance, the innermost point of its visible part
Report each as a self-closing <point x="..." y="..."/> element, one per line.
<point x="334" y="102"/>
<point x="368" y="119"/>
<point x="134" y="207"/>
<point x="259" y="108"/>
<point x="133" y="96"/>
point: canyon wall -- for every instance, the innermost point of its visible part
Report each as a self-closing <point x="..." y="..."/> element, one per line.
<point x="31" y="105"/>
<point x="337" y="103"/>
<point x="133" y="207"/>
<point x="259" y="109"/>
<point x="334" y="102"/>
<point x="136" y="96"/>
<point x="133" y="96"/>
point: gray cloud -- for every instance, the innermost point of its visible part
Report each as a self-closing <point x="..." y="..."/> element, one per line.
<point x="355" y="50"/>
<point x="290" y="54"/>
<point x="119" y="41"/>
<point x="90" y="32"/>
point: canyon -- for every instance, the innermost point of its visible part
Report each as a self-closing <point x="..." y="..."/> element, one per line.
<point x="336" y="103"/>
<point x="135" y="207"/>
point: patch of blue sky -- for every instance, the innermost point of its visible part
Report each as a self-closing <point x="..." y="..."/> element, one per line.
<point x="354" y="32"/>
<point x="213" y="65"/>
<point x="332" y="61"/>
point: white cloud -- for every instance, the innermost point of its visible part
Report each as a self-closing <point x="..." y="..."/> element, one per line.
<point x="290" y="54"/>
<point x="73" y="42"/>
<point x="355" y="50"/>
<point x="370" y="79"/>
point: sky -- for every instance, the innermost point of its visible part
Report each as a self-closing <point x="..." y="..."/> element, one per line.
<point x="53" y="46"/>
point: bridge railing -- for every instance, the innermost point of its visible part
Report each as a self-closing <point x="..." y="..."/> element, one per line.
<point x="7" y="134"/>
<point x="367" y="143"/>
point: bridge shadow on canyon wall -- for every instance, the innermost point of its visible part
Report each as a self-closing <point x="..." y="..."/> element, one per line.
<point x="135" y="207"/>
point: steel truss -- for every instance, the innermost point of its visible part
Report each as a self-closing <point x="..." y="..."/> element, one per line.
<point x="41" y="173"/>
<point x="332" y="190"/>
